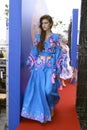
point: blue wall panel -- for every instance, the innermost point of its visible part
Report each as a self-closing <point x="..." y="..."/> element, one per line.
<point x="74" y="44"/>
<point x="14" y="64"/>
<point x="74" y="38"/>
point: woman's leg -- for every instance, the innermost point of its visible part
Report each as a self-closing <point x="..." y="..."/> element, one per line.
<point x="63" y="83"/>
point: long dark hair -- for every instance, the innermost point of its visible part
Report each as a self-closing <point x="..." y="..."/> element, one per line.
<point x="40" y="45"/>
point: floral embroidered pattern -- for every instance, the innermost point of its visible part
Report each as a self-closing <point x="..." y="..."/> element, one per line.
<point x="53" y="43"/>
<point x="51" y="40"/>
<point x="40" y="117"/>
<point x="58" y="62"/>
<point x="53" y="78"/>
<point x="30" y="61"/>
<point x="39" y="61"/>
<point x="48" y="61"/>
<point x="58" y="43"/>
<point x="35" y="42"/>
<point x="52" y="50"/>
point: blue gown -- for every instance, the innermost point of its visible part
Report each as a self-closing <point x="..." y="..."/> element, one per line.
<point x="41" y="94"/>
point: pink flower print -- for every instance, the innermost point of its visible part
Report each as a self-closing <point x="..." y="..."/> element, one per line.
<point x="53" y="78"/>
<point x="35" y="43"/>
<point x="51" y="40"/>
<point x="54" y="70"/>
<point x="58" y="43"/>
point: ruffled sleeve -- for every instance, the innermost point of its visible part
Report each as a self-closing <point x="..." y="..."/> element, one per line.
<point x="58" y="55"/>
<point x="33" y="54"/>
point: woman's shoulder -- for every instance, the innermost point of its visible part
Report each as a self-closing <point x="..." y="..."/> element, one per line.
<point x="55" y="36"/>
<point x="37" y="37"/>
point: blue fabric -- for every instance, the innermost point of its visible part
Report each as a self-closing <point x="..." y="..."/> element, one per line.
<point x="41" y="93"/>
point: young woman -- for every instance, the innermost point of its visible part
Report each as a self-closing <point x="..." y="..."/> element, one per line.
<point x="44" y="62"/>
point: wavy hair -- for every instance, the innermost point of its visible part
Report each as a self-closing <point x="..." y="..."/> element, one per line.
<point x="40" y="45"/>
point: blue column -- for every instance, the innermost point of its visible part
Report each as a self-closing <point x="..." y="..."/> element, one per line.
<point x="14" y="64"/>
<point x="74" y="38"/>
<point x="74" y="41"/>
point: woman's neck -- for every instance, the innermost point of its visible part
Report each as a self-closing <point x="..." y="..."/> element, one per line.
<point x="48" y="34"/>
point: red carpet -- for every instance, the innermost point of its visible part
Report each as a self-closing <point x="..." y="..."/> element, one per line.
<point x="65" y="114"/>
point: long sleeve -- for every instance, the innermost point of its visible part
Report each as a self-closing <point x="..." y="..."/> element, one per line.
<point x="33" y="54"/>
<point x="59" y="60"/>
<point x="57" y="66"/>
<point x="58" y="55"/>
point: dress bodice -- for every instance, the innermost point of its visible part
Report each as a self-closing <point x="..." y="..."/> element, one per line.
<point x="50" y="43"/>
<point x="50" y="57"/>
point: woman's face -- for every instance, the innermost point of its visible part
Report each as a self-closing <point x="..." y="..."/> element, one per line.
<point x="46" y="25"/>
